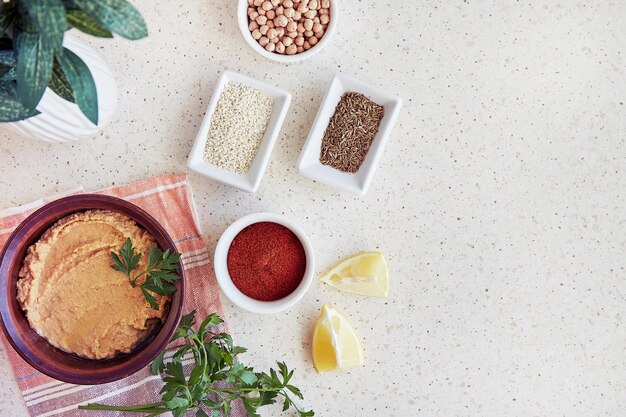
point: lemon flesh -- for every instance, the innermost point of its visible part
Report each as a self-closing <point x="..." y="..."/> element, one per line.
<point x="365" y="273"/>
<point x="335" y="343"/>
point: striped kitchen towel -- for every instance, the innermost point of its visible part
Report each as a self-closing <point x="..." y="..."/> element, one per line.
<point x="169" y="200"/>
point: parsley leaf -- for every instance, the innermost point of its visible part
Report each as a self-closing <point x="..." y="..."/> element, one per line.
<point x="216" y="380"/>
<point x="159" y="275"/>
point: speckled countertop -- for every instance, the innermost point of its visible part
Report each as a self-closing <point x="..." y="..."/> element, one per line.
<point x="500" y="200"/>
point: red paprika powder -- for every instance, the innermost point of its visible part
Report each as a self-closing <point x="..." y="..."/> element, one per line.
<point x="266" y="261"/>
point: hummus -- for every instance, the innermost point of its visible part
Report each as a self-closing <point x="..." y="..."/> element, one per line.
<point x="74" y="298"/>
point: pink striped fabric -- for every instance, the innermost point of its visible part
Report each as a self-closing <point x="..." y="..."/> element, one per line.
<point x="168" y="199"/>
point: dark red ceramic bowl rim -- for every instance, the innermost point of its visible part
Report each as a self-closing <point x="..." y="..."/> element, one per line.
<point x="34" y="349"/>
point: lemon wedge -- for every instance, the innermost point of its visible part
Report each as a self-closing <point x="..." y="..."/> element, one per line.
<point x="365" y="273"/>
<point x="335" y="343"/>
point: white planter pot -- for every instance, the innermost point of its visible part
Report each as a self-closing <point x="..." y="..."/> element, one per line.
<point x="62" y="121"/>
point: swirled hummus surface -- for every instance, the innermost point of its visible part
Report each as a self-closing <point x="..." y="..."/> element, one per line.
<point x="73" y="297"/>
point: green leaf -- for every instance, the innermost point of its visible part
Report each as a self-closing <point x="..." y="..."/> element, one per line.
<point x="177" y="402"/>
<point x="85" y="23"/>
<point x="118" y="16"/>
<point x="248" y="377"/>
<point x="34" y="67"/>
<point x="150" y="299"/>
<point x="82" y="83"/>
<point x="157" y="364"/>
<point x="295" y="390"/>
<point x="210" y="321"/>
<point x="175" y="369"/>
<point x="237" y="350"/>
<point x="267" y="397"/>
<point x="127" y="260"/>
<point x="62" y="87"/>
<point x="7" y="65"/>
<point x="11" y="109"/>
<point x="251" y="405"/>
<point x="287" y="403"/>
<point x="48" y="17"/>
<point x="196" y="375"/>
<point x="7" y="14"/>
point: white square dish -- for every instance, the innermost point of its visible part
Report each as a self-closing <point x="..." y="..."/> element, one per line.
<point x="251" y="180"/>
<point x="309" y="162"/>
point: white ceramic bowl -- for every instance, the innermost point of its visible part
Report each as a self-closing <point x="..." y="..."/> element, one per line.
<point x="226" y="283"/>
<point x="251" y="180"/>
<point x="242" y="18"/>
<point x="309" y="161"/>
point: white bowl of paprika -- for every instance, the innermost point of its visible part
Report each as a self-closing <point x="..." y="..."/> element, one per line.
<point x="264" y="263"/>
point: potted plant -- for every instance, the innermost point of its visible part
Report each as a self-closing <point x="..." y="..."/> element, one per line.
<point x="52" y="86"/>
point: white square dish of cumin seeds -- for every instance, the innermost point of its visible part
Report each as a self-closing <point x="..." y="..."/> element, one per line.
<point x="309" y="161"/>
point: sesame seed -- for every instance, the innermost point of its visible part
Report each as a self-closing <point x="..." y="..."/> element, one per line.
<point x="237" y="127"/>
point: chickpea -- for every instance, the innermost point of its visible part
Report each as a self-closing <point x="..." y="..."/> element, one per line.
<point x="324" y="19"/>
<point x="297" y="16"/>
<point x="287" y="41"/>
<point x="289" y="12"/>
<point x="281" y="21"/>
<point x="270" y="23"/>
<point x="316" y="19"/>
<point x="302" y="8"/>
<point x="250" y="10"/>
<point x="299" y="41"/>
<point x="308" y="24"/>
<point x="253" y="25"/>
<point x="317" y="27"/>
<point x="263" y="29"/>
<point x="292" y="26"/>
<point x="308" y="33"/>
<point x="300" y="28"/>
<point x="267" y="5"/>
<point x="272" y="33"/>
<point x="275" y="2"/>
<point x="310" y="14"/>
<point x="270" y="47"/>
<point x="324" y="12"/>
<point x="253" y="15"/>
<point x="292" y="35"/>
<point x="306" y="46"/>
<point x="260" y="11"/>
<point x="280" y="10"/>
<point x="292" y="50"/>
<point x="299" y="49"/>
<point x="256" y="34"/>
<point x="281" y="32"/>
<point x="325" y="4"/>
<point x="250" y="2"/>
<point x="312" y="4"/>
<point x="319" y="34"/>
<point x="275" y="40"/>
<point x="287" y="4"/>
<point x="313" y="40"/>
<point x="264" y="41"/>
<point x="280" y="48"/>
<point x="257" y="3"/>
<point x="261" y="20"/>
<point x="271" y="14"/>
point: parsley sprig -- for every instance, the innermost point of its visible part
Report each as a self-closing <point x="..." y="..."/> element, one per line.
<point x="216" y="380"/>
<point x="160" y="272"/>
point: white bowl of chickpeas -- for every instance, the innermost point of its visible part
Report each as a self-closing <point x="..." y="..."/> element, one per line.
<point x="287" y="30"/>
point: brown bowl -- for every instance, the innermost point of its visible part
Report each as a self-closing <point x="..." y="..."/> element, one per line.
<point x="36" y="350"/>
